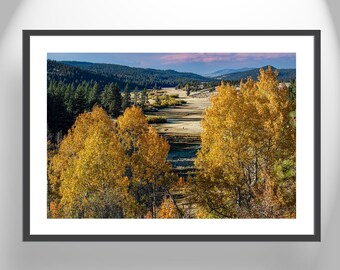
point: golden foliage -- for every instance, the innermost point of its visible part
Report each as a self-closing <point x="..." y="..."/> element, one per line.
<point x="54" y="211"/>
<point x="246" y="132"/>
<point x="180" y="183"/>
<point x="148" y="215"/>
<point x="147" y="168"/>
<point x="168" y="209"/>
<point x="108" y="170"/>
<point x="89" y="170"/>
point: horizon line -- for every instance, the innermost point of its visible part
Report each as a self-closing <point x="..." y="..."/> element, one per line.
<point x="233" y="68"/>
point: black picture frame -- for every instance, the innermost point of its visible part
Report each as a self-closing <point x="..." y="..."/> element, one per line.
<point x="27" y="236"/>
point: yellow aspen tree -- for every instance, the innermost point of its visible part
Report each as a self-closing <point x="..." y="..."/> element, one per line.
<point x="246" y="132"/>
<point x="108" y="169"/>
<point x="147" y="169"/>
<point x="168" y="209"/>
<point x="89" y="171"/>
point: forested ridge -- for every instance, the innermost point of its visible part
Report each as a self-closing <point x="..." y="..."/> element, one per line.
<point x="76" y="72"/>
<point x="106" y="161"/>
<point x="287" y="74"/>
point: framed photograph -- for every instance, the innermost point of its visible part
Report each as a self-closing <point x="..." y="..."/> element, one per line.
<point x="171" y="135"/>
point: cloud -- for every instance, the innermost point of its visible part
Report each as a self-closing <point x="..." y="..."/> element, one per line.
<point x="178" y="58"/>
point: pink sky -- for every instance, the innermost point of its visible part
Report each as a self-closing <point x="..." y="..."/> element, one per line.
<point x="176" y="58"/>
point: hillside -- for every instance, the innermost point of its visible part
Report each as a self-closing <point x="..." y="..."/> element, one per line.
<point x="141" y="77"/>
<point x="284" y="74"/>
<point x="76" y="72"/>
<point x="226" y="71"/>
<point x="57" y="71"/>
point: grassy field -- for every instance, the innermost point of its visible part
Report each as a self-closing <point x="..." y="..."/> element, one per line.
<point x="182" y="128"/>
<point x="185" y="119"/>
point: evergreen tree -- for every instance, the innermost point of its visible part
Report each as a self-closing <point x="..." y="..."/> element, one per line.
<point x="57" y="116"/>
<point x="144" y="98"/>
<point x="93" y="96"/>
<point x="187" y="89"/>
<point x="135" y="97"/>
<point x="126" y="98"/>
<point x="80" y="100"/>
<point x="111" y="99"/>
<point x="69" y="98"/>
<point x="107" y="92"/>
<point x="117" y="108"/>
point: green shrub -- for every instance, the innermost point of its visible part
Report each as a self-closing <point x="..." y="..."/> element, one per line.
<point x="169" y="103"/>
<point x="164" y="97"/>
<point x="156" y="119"/>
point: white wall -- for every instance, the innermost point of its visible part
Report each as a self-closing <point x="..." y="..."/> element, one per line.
<point x="17" y="15"/>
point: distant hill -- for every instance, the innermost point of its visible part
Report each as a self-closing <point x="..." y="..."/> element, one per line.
<point x="141" y="77"/>
<point x="284" y="74"/>
<point x="58" y="71"/>
<point x="226" y="71"/>
<point x="76" y="72"/>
